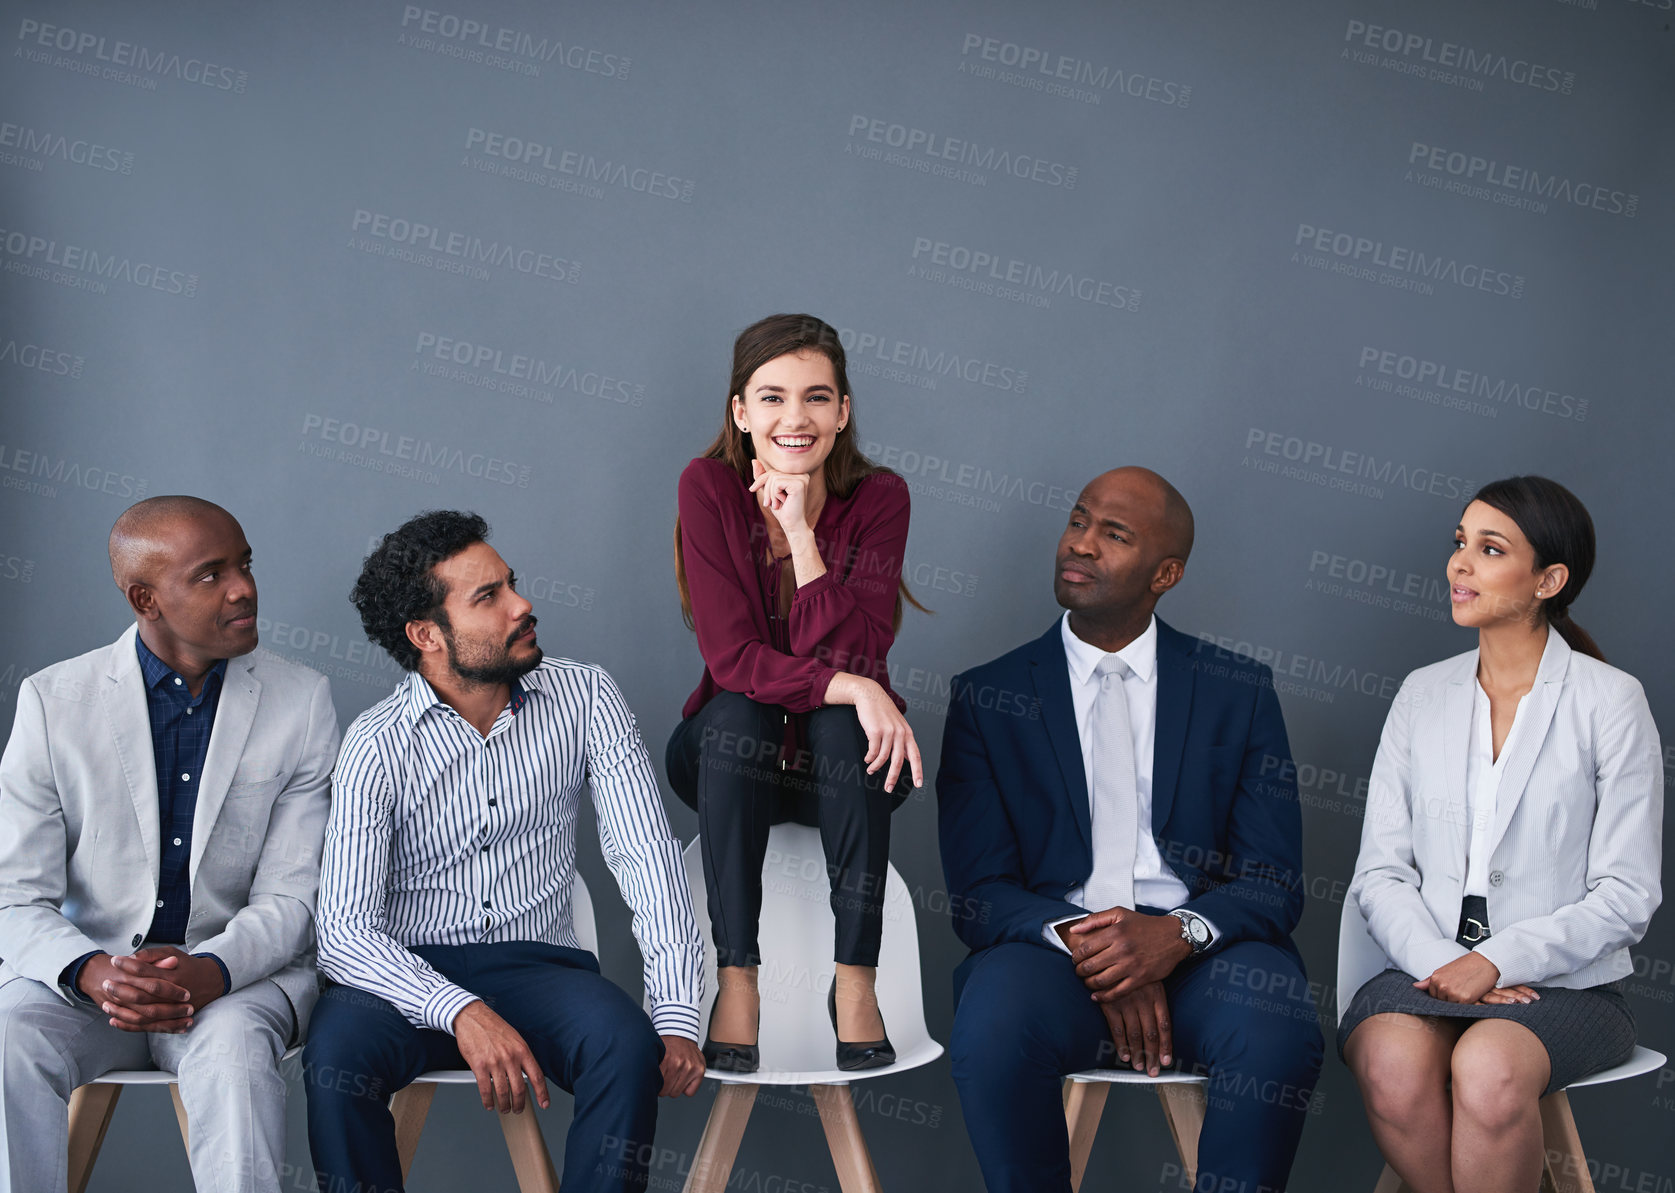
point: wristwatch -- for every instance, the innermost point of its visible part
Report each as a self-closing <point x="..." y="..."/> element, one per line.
<point x="1193" y="930"/>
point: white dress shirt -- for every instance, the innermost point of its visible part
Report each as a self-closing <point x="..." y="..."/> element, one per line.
<point x="440" y="836"/>
<point x="1483" y="783"/>
<point x="1155" y="884"/>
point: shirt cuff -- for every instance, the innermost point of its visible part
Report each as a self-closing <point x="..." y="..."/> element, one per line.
<point x="226" y="974"/>
<point x="72" y="974"/>
<point x="1050" y="931"/>
<point x="675" y="1019"/>
<point x="443" y="1007"/>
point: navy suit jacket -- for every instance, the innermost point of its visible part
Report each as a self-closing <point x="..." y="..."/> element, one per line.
<point x="1012" y="795"/>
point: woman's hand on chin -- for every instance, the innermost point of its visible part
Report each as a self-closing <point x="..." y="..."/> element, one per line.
<point x="782" y="494"/>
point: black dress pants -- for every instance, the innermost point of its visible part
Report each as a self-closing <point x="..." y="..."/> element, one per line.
<point x="724" y="761"/>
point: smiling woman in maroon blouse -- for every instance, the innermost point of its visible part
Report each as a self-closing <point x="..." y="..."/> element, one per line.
<point x="788" y="554"/>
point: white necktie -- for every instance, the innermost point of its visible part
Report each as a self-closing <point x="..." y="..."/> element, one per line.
<point x="1113" y="801"/>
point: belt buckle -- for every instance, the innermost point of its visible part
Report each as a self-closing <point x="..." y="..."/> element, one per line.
<point x="1475" y="931"/>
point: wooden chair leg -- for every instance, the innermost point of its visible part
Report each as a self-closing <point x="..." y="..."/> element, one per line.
<point x="180" y="1116"/>
<point x="534" y="1167"/>
<point x="1183" y="1109"/>
<point x="1389" y="1182"/>
<point x="843" y="1136"/>
<point x="91" y="1107"/>
<point x="719" y="1147"/>
<point x="1565" y="1169"/>
<point x="409" y="1107"/>
<point x="1084" y="1103"/>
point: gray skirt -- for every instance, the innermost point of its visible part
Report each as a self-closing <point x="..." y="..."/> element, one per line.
<point x="1583" y="1031"/>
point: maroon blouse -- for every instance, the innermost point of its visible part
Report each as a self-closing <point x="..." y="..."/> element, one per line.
<point x="840" y="622"/>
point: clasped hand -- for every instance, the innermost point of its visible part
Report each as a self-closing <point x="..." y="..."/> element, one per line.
<point x="1471" y="979"/>
<point x="158" y="989"/>
<point x="1122" y="956"/>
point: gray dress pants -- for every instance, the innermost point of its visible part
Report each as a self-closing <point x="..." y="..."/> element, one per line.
<point x="227" y="1065"/>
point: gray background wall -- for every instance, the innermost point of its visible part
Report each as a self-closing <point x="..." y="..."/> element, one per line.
<point x="1206" y="236"/>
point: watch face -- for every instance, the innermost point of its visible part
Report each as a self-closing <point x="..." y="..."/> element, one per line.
<point x="1200" y="934"/>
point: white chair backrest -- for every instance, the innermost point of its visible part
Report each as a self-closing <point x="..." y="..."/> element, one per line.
<point x="1359" y="959"/>
<point x="796" y="936"/>
<point x="581" y="915"/>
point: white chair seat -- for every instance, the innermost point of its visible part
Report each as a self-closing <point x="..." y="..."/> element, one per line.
<point x="1130" y="1077"/>
<point x="1644" y="1060"/>
<point x="157" y="1076"/>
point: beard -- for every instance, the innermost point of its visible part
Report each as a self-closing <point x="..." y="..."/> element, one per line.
<point x="479" y="663"/>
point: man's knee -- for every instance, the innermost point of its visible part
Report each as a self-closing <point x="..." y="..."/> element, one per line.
<point x="32" y="1027"/>
<point x="344" y="1057"/>
<point x="993" y="1025"/>
<point x="239" y="1049"/>
<point x="623" y="1050"/>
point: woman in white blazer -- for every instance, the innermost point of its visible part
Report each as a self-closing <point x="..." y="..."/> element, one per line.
<point x="1510" y="857"/>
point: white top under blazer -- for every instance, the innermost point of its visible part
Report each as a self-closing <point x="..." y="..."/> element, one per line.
<point x="1575" y="850"/>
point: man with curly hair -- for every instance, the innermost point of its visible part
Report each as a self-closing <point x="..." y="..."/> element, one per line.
<point x="445" y="917"/>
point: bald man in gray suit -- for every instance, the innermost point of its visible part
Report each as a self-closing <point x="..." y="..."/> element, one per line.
<point x="162" y="806"/>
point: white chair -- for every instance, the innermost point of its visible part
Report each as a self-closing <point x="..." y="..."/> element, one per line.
<point x="92" y="1105"/>
<point x="796" y="1039"/>
<point x="1566" y="1166"/>
<point x="530" y="1161"/>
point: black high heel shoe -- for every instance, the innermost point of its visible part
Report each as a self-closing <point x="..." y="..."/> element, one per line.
<point x="874" y="1054"/>
<point x="731" y="1058"/>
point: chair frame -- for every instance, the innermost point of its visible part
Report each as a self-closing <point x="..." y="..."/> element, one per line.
<point x="1184" y="1100"/>
<point x="712" y="1164"/>
<point x="531" y="1161"/>
<point x="91" y="1108"/>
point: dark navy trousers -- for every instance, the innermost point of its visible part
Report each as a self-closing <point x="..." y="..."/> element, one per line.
<point x="1242" y="1016"/>
<point x="588" y="1036"/>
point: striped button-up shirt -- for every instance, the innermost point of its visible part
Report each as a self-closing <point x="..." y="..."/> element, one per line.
<point x="441" y="836"/>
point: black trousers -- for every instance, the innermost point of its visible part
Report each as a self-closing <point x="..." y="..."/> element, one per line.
<point x="724" y="761"/>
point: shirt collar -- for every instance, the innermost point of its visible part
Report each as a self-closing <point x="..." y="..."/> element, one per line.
<point x="156" y="671"/>
<point x="1083" y="657"/>
<point x="420" y="697"/>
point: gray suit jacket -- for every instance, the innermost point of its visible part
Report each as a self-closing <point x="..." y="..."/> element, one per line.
<point x="79" y="849"/>
<point x="1577" y="840"/>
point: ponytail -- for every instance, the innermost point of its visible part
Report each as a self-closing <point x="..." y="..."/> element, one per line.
<point x="1574" y="635"/>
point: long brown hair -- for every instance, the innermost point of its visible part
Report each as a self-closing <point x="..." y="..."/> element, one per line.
<point x="845" y="467"/>
<point x="1558" y="527"/>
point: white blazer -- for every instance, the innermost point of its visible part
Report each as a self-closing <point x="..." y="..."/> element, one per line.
<point x="79" y="850"/>
<point x="1576" y="848"/>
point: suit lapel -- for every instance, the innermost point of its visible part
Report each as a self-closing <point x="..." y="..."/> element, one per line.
<point x="1051" y="674"/>
<point x="123" y="697"/>
<point x="1530" y="731"/>
<point x="234" y="714"/>
<point x="1456" y="714"/>
<point x="1175" y="675"/>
